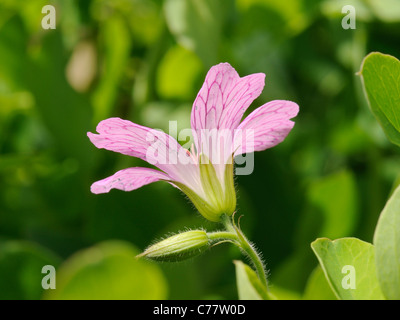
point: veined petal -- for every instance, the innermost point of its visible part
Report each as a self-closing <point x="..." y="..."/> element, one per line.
<point x="265" y="127"/>
<point x="128" y="180"/>
<point x="153" y="146"/>
<point x="222" y="101"/>
<point x="131" y="139"/>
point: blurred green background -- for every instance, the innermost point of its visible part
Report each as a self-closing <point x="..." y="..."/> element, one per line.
<point x="145" y="60"/>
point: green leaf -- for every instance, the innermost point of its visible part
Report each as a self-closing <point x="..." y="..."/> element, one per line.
<point x="178" y="85"/>
<point x="21" y="266"/>
<point x="381" y="79"/>
<point x="349" y="266"/>
<point x="108" y="270"/>
<point x="248" y="284"/>
<point x="386" y="241"/>
<point x="276" y="292"/>
<point x="288" y="17"/>
<point x="68" y="118"/>
<point x="385" y="10"/>
<point x="13" y="45"/>
<point x="196" y="24"/>
<point x="317" y="287"/>
<point x="335" y="198"/>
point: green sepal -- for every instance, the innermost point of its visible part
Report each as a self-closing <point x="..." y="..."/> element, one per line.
<point x="211" y="184"/>
<point x="230" y="193"/>
<point x="201" y="205"/>
<point x="218" y="200"/>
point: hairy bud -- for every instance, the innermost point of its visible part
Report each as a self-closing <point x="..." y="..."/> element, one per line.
<point x="178" y="247"/>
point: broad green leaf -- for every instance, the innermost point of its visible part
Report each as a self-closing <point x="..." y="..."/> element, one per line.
<point x="65" y="118"/>
<point x="385" y="10"/>
<point x="277" y="292"/>
<point x="109" y="270"/>
<point x="380" y="74"/>
<point x="248" y="284"/>
<point x="288" y="17"/>
<point x="335" y="198"/>
<point x="349" y="266"/>
<point x="21" y="264"/>
<point x="43" y="75"/>
<point x="196" y="24"/>
<point x="387" y="247"/>
<point x="317" y="287"/>
<point x="13" y="45"/>
<point x="178" y="85"/>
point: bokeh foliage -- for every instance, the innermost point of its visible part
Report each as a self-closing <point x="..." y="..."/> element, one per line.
<point x="145" y="60"/>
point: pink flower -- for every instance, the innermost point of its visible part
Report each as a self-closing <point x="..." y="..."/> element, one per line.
<point x="205" y="173"/>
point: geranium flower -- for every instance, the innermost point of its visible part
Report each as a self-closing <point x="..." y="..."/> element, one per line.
<point x="203" y="172"/>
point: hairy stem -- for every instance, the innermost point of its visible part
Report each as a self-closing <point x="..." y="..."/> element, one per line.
<point x="236" y="236"/>
<point x="222" y="236"/>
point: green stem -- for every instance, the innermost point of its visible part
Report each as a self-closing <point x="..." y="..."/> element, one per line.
<point x="222" y="235"/>
<point x="236" y="236"/>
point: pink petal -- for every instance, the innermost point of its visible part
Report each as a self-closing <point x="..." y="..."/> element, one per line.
<point x="153" y="146"/>
<point x="129" y="138"/>
<point x="265" y="127"/>
<point x="223" y="99"/>
<point x="128" y="180"/>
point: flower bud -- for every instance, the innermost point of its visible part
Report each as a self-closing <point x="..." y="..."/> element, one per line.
<point x="178" y="247"/>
